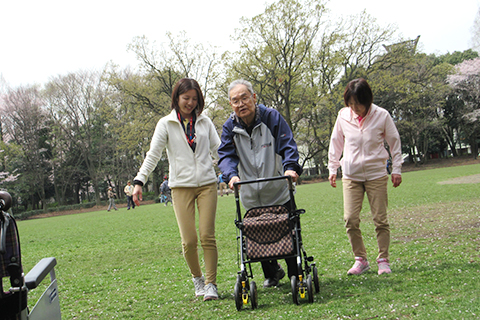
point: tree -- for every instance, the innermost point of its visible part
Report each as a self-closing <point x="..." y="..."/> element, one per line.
<point x="274" y="47"/>
<point x="26" y="125"/>
<point x="450" y="117"/>
<point x="74" y="101"/>
<point x="132" y="111"/>
<point x="466" y="85"/>
<point x="411" y="86"/>
<point x="163" y="67"/>
<point x="294" y="56"/>
<point x="457" y="57"/>
<point x="279" y="55"/>
<point x="361" y="44"/>
<point x="346" y="52"/>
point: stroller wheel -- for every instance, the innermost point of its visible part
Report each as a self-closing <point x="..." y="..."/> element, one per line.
<point x="238" y="295"/>
<point x="293" y="283"/>
<point x="253" y="295"/>
<point x="310" y="288"/>
<point x="315" y="280"/>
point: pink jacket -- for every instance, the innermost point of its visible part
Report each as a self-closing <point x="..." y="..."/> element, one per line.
<point x="362" y="145"/>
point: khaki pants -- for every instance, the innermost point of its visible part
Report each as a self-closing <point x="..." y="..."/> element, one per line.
<point x="353" y="195"/>
<point x="184" y="207"/>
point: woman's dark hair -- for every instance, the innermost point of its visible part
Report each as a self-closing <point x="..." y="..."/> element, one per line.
<point x="360" y="91"/>
<point x="184" y="85"/>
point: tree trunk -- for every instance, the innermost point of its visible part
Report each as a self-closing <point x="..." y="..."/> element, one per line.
<point x="474" y="145"/>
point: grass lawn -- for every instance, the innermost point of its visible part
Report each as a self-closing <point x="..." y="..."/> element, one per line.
<point x="129" y="264"/>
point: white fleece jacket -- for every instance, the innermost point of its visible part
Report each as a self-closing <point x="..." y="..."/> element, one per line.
<point x="186" y="168"/>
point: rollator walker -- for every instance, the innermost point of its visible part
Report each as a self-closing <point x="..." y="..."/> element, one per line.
<point x="268" y="233"/>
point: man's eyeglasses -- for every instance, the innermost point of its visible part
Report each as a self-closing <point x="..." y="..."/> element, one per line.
<point x="237" y="102"/>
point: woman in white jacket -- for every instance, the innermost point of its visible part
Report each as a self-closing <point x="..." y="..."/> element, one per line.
<point x="357" y="145"/>
<point x="191" y="140"/>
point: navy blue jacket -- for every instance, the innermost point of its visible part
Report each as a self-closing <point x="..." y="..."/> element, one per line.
<point x="267" y="152"/>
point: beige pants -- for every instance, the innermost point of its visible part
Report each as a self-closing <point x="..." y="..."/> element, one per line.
<point x="184" y="206"/>
<point x="353" y="194"/>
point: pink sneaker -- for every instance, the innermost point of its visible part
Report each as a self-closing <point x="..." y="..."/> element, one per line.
<point x="361" y="265"/>
<point x="383" y="266"/>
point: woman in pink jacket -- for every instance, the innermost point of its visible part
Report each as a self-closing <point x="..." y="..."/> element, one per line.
<point x="359" y="134"/>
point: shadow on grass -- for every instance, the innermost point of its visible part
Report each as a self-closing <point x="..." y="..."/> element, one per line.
<point x="340" y="289"/>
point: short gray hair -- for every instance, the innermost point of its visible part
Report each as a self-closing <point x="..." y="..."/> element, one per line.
<point x="238" y="82"/>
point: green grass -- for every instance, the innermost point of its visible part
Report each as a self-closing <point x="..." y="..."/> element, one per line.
<point x="129" y="264"/>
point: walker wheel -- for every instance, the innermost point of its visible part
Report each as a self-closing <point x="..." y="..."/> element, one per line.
<point x="310" y="288"/>
<point x="238" y="295"/>
<point x="253" y="295"/>
<point x="315" y="279"/>
<point x="293" y="283"/>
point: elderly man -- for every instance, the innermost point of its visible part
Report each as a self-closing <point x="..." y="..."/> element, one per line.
<point x="258" y="143"/>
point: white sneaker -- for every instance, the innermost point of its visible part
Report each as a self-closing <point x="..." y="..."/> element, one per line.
<point x="210" y="292"/>
<point x="199" y="283"/>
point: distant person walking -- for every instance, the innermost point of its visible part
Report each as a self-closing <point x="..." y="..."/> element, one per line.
<point x="221" y="184"/>
<point x="111" y="199"/>
<point x="165" y="191"/>
<point x="359" y="134"/>
<point x="129" y="193"/>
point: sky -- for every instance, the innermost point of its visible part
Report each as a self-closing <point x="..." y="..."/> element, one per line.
<point x="43" y="39"/>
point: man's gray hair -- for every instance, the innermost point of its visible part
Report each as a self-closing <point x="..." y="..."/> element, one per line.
<point x="238" y="82"/>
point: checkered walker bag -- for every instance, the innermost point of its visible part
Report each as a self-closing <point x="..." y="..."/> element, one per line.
<point x="268" y="232"/>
